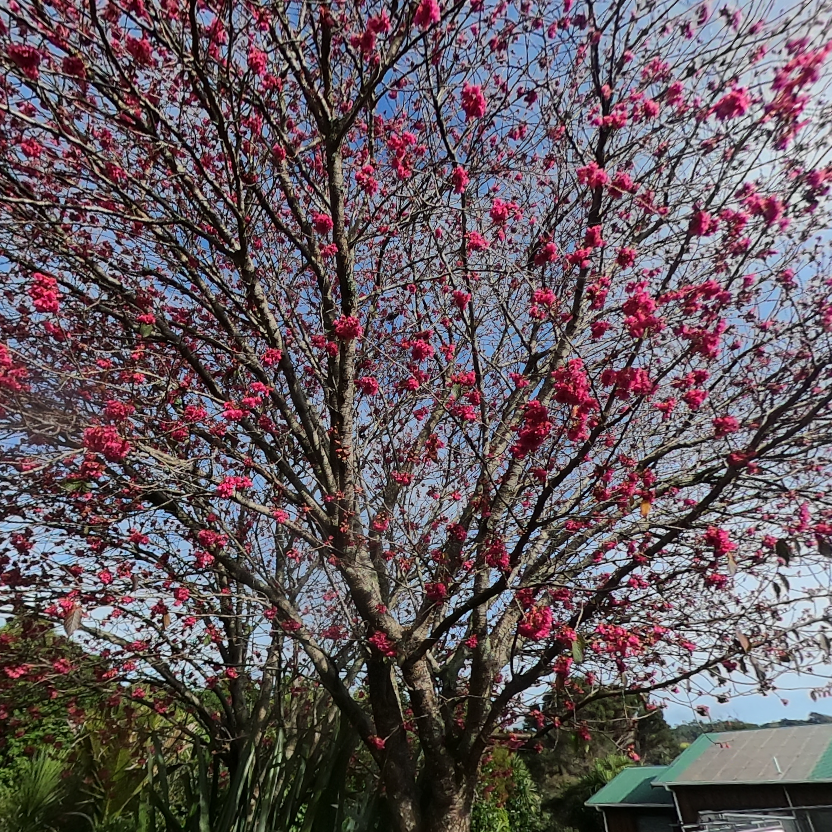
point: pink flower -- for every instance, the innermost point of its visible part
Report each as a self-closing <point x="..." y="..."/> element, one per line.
<point x="74" y="66"/>
<point x="382" y="643"/>
<point x="140" y="50"/>
<point x="476" y="242"/>
<point x="380" y="523"/>
<point x="365" y="42"/>
<point x="322" y="223"/>
<point x="376" y="742"/>
<point x="366" y="181"/>
<point x="26" y="58"/>
<point x="272" y="356"/>
<point x="592" y="175"/>
<point x="639" y="309"/>
<point x="626" y="257"/>
<point x="367" y="385"/>
<point x="536" y="624"/>
<point x="61" y="666"/>
<point x="572" y="385"/>
<point x="501" y="211"/>
<point x="592" y="237"/>
<point x="231" y="484"/>
<point x="599" y="328"/>
<point x="736" y="103"/>
<point x="719" y="540"/>
<point x="702" y="224"/>
<point x="694" y="398"/>
<point x="724" y="425"/>
<point x="257" y="61"/>
<point x="634" y="381"/>
<point x="348" y="328"/>
<point x="106" y="441"/>
<point x="545" y="297"/>
<point x="547" y="253"/>
<point x="459" y="179"/>
<point x="379" y="24"/>
<point x="209" y="538"/>
<point x="536" y="427"/>
<point x="420" y="350"/>
<point x="621" y="183"/>
<point x="495" y="554"/>
<point x="473" y="101"/>
<point x="232" y="412"/>
<point x="44" y="293"/>
<point x="436" y="591"/>
<point x="427" y="14"/>
<point x="118" y="411"/>
<point x="461" y="299"/>
<point x="650" y="108"/>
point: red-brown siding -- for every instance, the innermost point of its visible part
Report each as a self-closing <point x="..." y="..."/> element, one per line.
<point x="695" y="799"/>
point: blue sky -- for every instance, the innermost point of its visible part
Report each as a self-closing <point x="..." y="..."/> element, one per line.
<point x="755" y="707"/>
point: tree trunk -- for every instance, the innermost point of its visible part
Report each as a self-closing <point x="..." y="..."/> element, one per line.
<point x="457" y="818"/>
<point x="441" y="809"/>
<point x="449" y="807"/>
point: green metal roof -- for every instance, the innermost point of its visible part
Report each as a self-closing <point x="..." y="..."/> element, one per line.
<point x="797" y="754"/>
<point x="633" y="787"/>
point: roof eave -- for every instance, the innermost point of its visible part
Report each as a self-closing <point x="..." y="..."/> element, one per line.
<point x="818" y="782"/>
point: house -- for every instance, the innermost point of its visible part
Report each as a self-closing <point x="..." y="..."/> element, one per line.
<point x="631" y="804"/>
<point x="767" y="778"/>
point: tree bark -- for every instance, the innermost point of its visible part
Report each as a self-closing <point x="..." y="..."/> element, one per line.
<point x="452" y="817"/>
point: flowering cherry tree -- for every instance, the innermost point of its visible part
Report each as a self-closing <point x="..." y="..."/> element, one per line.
<point x="446" y="353"/>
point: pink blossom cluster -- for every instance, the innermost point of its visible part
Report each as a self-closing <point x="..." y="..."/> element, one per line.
<point x="436" y="591"/>
<point x="536" y="624"/>
<point x="117" y="411"/>
<point x="495" y="554"/>
<point x="736" y="103"/>
<point x="105" y="440"/>
<point x="629" y="381"/>
<point x="11" y="374"/>
<point x="427" y="14"/>
<point x="322" y="223"/>
<point x="639" y="310"/>
<point x="572" y="387"/>
<point x="803" y="69"/>
<point x="140" y="49"/>
<point x="27" y="58"/>
<point x="473" y="101"/>
<point x="230" y="484"/>
<point x="501" y="211"/>
<point x="547" y="253"/>
<point x="367" y="385"/>
<point x="459" y="179"/>
<point x="592" y="175"/>
<point x="476" y="241"/>
<point x="536" y="427"/>
<point x="44" y="294"/>
<point x="257" y="60"/>
<point x="348" y="328"/>
<point x="382" y="643"/>
<point x="719" y="540"/>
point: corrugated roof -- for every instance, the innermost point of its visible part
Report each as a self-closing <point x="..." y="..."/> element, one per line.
<point x="632" y="787"/>
<point x="800" y="754"/>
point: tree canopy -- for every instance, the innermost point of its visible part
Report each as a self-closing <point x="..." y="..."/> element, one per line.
<point x="419" y="352"/>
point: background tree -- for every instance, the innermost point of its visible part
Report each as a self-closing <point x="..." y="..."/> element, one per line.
<point x="423" y="351"/>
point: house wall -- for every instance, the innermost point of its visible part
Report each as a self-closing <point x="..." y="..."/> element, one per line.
<point x="694" y="799"/>
<point x="639" y="819"/>
<point x="620" y="820"/>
